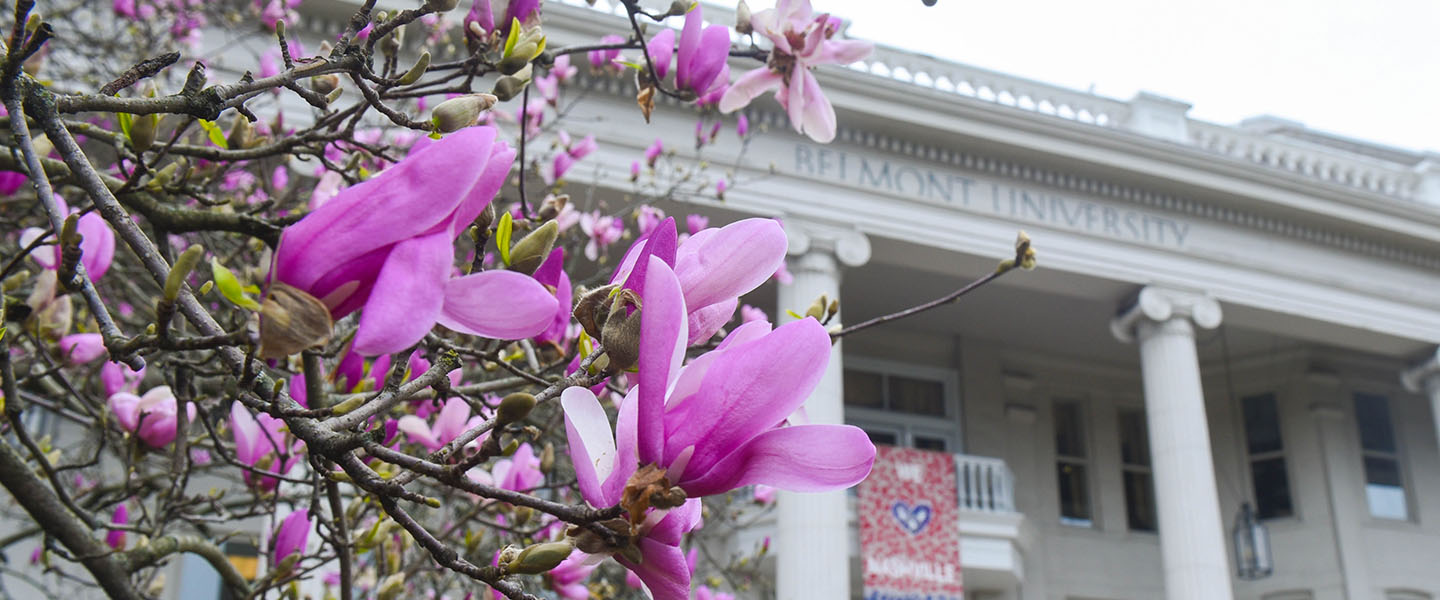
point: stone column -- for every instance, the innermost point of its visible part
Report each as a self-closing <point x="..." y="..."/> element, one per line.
<point x="1192" y="537"/>
<point x="1424" y="378"/>
<point x="813" y="541"/>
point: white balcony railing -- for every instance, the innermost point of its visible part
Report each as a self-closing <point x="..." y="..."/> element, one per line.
<point x="985" y="484"/>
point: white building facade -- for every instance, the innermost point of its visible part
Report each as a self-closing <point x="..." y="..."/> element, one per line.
<point x="1223" y="315"/>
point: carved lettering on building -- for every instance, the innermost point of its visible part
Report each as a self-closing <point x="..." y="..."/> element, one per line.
<point x="1001" y="199"/>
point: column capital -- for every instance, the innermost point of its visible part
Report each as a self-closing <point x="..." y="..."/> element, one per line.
<point x="1160" y="304"/>
<point x="848" y="244"/>
<point x="1423" y="375"/>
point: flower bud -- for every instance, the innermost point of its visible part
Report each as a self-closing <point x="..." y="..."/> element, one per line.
<point x="678" y="8"/>
<point x="443" y="5"/>
<point x="540" y="558"/>
<point x="391" y="587"/>
<point x="181" y="269"/>
<point x="593" y="309"/>
<point x="142" y="131"/>
<point x="288" y="563"/>
<point x="522" y="515"/>
<point x="530" y="252"/>
<point x="419" y="68"/>
<point x="551" y="207"/>
<point x="547" y="457"/>
<point x="242" y="134"/>
<point x="817" y="308"/>
<point x="290" y="321"/>
<point x="621" y="332"/>
<point x="458" y="113"/>
<point x="514" y="408"/>
<point x="324" y="84"/>
<point x="334" y="95"/>
<point x="348" y="404"/>
<point x="742" y="19"/>
<point x="508" y="87"/>
<point x="391" y="44"/>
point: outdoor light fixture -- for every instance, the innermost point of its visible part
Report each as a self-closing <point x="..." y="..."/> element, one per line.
<point x="1252" y="546"/>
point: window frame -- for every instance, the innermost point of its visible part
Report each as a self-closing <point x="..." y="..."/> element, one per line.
<point x="1087" y="461"/>
<point x="1147" y="469"/>
<point x="1243" y="439"/>
<point x="908" y="426"/>
<point x="1398" y="456"/>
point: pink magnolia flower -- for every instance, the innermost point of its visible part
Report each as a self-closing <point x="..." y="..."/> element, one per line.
<point x="290" y="536"/>
<point x="714" y="425"/>
<point x="742" y="126"/>
<point x="115" y="538"/>
<point x="603" y="231"/>
<point x="260" y="441"/>
<point x="97" y="248"/>
<point x="652" y="153"/>
<point x="634" y="170"/>
<point x="562" y="69"/>
<point x="647" y="218"/>
<point x="720" y="188"/>
<point x="700" y="65"/>
<point x="605" y="59"/>
<point x="453" y="420"/>
<point x="117" y="378"/>
<point x="549" y="87"/>
<point x="695" y="223"/>
<point x="151" y="417"/>
<point x="568" y="578"/>
<point x="387" y="245"/>
<point x="495" y="16"/>
<point x="520" y="472"/>
<point x="715" y="267"/>
<point x="749" y="313"/>
<point x="802" y="40"/>
<point x="81" y="348"/>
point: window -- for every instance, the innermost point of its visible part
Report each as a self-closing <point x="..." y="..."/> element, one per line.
<point x="1135" y="470"/>
<point x="1384" y="487"/>
<point x="1268" y="475"/>
<point x="902" y="406"/>
<point x="1071" y="464"/>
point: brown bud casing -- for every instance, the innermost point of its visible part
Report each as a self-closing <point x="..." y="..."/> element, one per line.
<point x="290" y="321"/>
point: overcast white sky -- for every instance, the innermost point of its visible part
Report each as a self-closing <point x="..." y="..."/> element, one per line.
<point x="1368" y="69"/>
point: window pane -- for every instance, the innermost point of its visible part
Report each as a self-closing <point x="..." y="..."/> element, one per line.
<point x="1262" y="424"/>
<point x="925" y="442"/>
<point x="917" y="396"/>
<point x="863" y="390"/>
<point x="883" y="437"/>
<point x="1372" y="413"/>
<point x="1074" y="494"/>
<point x="1383" y="488"/>
<point x="1069" y="432"/>
<point x="1272" y="488"/>
<point x="1134" y="445"/>
<point x="1139" y="501"/>
<point x="1382" y="471"/>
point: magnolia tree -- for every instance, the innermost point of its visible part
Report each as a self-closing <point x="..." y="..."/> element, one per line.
<point x="371" y="339"/>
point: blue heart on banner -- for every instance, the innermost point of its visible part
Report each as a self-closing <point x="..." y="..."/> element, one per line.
<point x="911" y="519"/>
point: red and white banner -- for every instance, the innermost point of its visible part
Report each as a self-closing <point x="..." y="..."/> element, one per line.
<point x="910" y="527"/>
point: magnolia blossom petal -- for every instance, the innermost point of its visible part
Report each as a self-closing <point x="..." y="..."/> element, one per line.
<point x="842" y="52"/>
<point x="98" y="246"/>
<point x="661" y="49"/>
<point x="405" y="303"/>
<point x="787" y="458"/>
<point x="126" y="407"/>
<point x="345" y="227"/>
<point x="720" y="264"/>
<point x="247" y="434"/>
<point x="663" y="570"/>
<point x="817" y="116"/>
<point x="497" y="304"/>
<point x="707" y="320"/>
<point x="417" y="431"/>
<point x="451" y="422"/>
<point x="45" y="256"/>
<point x="291" y="536"/>
<point x="663" y="339"/>
<point x="80" y="348"/>
<point x="747" y="87"/>
<point x="781" y="368"/>
<point x="592" y="447"/>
